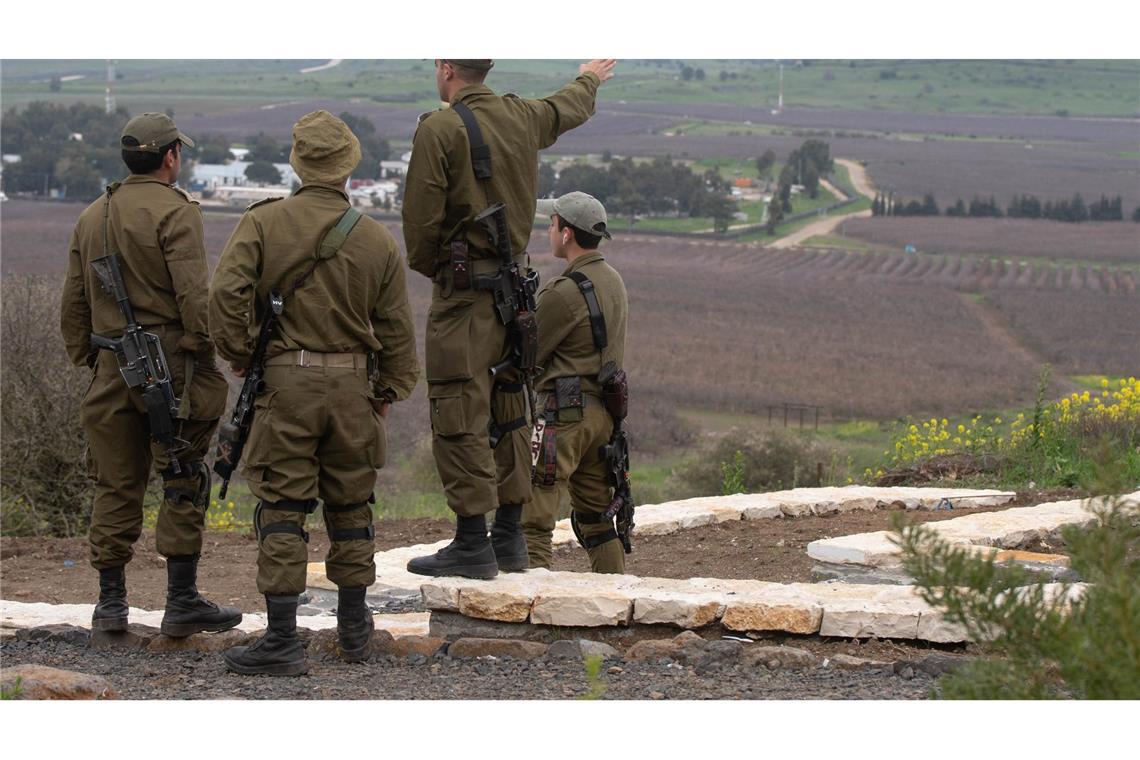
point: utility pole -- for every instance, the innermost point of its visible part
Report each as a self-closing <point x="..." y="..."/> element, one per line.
<point x="109" y="97"/>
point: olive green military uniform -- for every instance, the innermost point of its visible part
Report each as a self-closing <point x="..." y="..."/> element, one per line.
<point x="317" y="429"/>
<point x="464" y="336"/>
<point x="566" y="349"/>
<point x="157" y="231"/>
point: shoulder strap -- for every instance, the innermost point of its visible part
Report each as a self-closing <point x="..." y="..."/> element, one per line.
<point x="597" y="319"/>
<point x="330" y="244"/>
<point x="480" y="151"/>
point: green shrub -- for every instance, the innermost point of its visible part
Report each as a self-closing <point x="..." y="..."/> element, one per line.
<point x="757" y="460"/>
<point x="1041" y="643"/>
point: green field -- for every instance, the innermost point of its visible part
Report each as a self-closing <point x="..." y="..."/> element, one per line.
<point x="1075" y="88"/>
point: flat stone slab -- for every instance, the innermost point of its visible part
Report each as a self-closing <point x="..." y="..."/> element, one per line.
<point x="393" y="579"/>
<point x="16" y="615"/>
<point x="1007" y="529"/>
<point x="585" y="600"/>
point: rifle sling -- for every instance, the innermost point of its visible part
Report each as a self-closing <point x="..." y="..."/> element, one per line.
<point x="330" y="244"/>
<point x="597" y="319"/>
<point x="480" y="151"/>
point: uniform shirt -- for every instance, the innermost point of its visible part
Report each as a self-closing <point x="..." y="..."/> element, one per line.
<point x="441" y="192"/>
<point x="565" y="342"/>
<point x="157" y="231"/>
<point x="353" y="302"/>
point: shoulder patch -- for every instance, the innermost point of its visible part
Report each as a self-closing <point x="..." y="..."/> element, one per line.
<point x="184" y="194"/>
<point x="263" y="201"/>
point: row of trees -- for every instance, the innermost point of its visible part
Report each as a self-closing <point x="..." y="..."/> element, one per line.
<point x="656" y="188"/>
<point x="1020" y="207"/>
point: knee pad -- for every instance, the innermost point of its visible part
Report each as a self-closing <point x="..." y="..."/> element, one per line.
<point x="305" y="508"/>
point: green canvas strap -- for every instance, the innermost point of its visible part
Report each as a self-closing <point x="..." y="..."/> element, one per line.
<point x="334" y="238"/>
<point x="329" y="245"/>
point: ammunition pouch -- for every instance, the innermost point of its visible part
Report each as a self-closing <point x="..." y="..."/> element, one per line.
<point x="350" y="534"/>
<point x="302" y="507"/>
<point x="568" y="398"/>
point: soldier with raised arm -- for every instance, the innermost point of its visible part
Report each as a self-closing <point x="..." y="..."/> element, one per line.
<point x="466" y="159"/>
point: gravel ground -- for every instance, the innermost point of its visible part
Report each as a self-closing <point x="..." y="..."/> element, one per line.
<point x="141" y="675"/>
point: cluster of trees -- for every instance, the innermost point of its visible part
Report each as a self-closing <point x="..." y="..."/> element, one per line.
<point x="72" y="149"/>
<point x="656" y="188"/>
<point x="805" y="165"/>
<point x="1020" y="207"/>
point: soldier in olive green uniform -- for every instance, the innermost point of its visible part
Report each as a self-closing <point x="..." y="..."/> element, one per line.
<point x="318" y="430"/>
<point x="577" y="423"/>
<point x="465" y="337"/>
<point x="156" y="232"/>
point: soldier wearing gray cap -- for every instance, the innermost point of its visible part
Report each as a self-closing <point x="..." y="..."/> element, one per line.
<point x="155" y="231"/>
<point x="581" y="327"/>
<point x="481" y="151"/>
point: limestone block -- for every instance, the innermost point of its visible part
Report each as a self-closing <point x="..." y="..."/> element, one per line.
<point x="653" y="649"/>
<point x="796" y="508"/>
<point x="866" y="619"/>
<point x="495" y="602"/>
<point x="685" y="610"/>
<point x="473" y="647"/>
<point x="764" y="511"/>
<point x="597" y="649"/>
<point x="571" y="607"/>
<point x="775" y="616"/>
<point x="872" y="549"/>
<point x="41" y="682"/>
<point x="847" y="662"/>
<point x="315" y="577"/>
<point x="932" y="626"/>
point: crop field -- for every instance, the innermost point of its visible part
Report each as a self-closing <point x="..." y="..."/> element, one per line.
<point x="734" y="328"/>
<point x="1106" y="242"/>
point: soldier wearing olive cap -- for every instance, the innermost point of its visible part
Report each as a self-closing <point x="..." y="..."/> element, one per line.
<point x="156" y="232"/>
<point x="444" y="192"/>
<point x="319" y="425"/>
<point x="577" y="424"/>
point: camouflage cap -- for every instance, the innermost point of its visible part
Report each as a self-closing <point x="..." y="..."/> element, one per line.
<point x="578" y="210"/>
<point x="148" y="132"/>
<point x="478" y="64"/>
<point x="324" y="148"/>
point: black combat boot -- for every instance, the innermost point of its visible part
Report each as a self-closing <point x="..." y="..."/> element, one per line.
<point x="187" y="611"/>
<point x="278" y="652"/>
<point x="354" y="625"/>
<point x="507" y="539"/>
<point x="470" y="555"/>
<point x="111" y="611"/>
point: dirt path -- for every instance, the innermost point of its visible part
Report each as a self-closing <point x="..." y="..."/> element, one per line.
<point x="863" y="186"/>
<point x="1004" y="335"/>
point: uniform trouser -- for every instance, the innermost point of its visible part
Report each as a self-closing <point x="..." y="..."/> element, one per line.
<point x="464" y="339"/>
<point x="578" y="467"/>
<point x="317" y="433"/>
<point x="120" y="454"/>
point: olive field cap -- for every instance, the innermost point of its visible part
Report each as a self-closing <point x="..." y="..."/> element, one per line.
<point x="148" y="132"/>
<point x="324" y="148"/>
<point x="578" y="210"/>
<point x="479" y="64"/>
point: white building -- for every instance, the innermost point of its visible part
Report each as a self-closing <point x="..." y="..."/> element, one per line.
<point x="393" y="169"/>
<point x="214" y="176"/>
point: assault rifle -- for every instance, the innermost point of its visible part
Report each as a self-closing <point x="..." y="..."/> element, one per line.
<point x="514" y="294"/>
<point x="615" y="453"/>
<point x="232" y="435"/>
<point x="142" y="362"/>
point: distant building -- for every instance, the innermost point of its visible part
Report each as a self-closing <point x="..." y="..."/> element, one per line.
<point x="11" y="158"/>
<point x="243" y="195"/>
<point x="214" y="176"/>
<point x="393" y="168"/>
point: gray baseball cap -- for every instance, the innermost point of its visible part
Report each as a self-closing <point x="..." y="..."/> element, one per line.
<point x="578" y="210"/>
